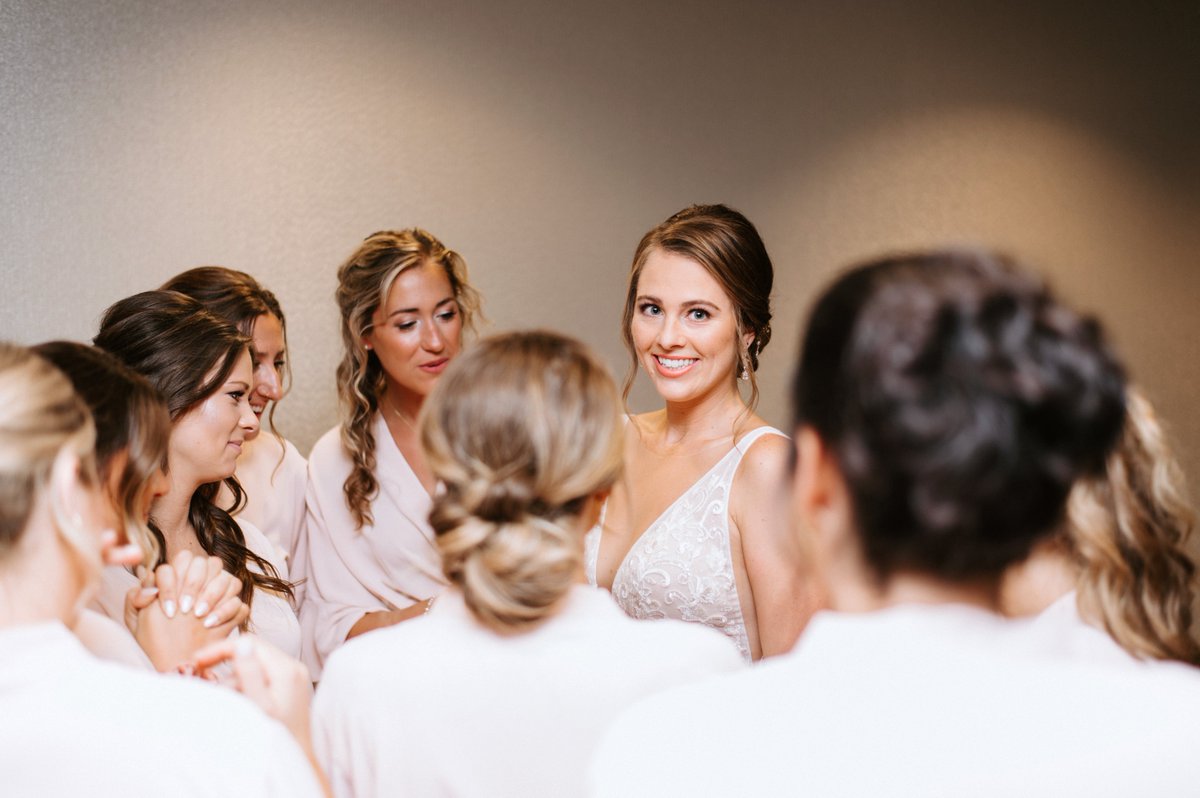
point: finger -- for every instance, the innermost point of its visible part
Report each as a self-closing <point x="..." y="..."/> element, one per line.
<point x="193" y="582"/>
<point x="141" y="597"/>
<point x="214" y="654"/>
<point x="228" y="610"/>
<point x="123" y="554"/>
<point x="214" y="588"/>
<point x="252" y="677"/>
<point x="168" y="587"/>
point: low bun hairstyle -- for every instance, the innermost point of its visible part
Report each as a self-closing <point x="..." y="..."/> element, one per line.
<point x="960" y="401"/>
<point x="521" y="430"/>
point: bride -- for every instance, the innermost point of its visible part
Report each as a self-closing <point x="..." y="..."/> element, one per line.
<point x="698" y="530"/>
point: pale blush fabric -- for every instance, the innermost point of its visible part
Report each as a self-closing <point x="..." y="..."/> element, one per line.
<point x="272" y="616"/>
<point x="389" y="565"/>
<point x="110" y="641"/>
<point x="440" y="705"/>
<point x="681" y="567"/>
<point x="73" y="725"/>
<point x="274" y="476"/>
<point x="933" y="700"/>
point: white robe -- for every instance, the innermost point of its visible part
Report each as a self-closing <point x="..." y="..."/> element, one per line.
<point x="389" y="565"/>
<point x="441" y="705"/>
<point x="936" y="700"/>
<point x="73" y="725"/>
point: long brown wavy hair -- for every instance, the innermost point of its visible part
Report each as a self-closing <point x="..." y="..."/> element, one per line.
<point x="363" y="284"/>
<point x="187" y="353"/>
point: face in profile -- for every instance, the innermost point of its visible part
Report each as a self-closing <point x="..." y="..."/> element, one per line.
<point x="684" y="328"/>
<point x="207" y="439"/>
<point x="417" y="331"/>
<point x="269" y="355"/>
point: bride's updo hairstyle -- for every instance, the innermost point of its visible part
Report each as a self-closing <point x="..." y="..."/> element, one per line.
<point x="521" y="430"/>
<point x="961" y="401"/>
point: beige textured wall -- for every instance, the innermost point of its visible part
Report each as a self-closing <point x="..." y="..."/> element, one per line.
<point x="541" y="139"/>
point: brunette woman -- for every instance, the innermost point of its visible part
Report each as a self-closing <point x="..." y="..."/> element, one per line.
<point x="697" y="530"/>
<point x="202" y="366"/>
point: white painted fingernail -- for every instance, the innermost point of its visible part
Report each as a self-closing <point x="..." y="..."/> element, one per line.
<point x="169" y="608"/>
<point x="202" y="608"/>
<point x="185" y="604"/>
<point x="211" y="621"/>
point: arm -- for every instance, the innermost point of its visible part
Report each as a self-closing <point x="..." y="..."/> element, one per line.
<point x="783" y="588"/>
<point x="382" y="618"/>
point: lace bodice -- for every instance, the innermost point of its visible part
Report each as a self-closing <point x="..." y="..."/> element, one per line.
<point x="681" y="567"/>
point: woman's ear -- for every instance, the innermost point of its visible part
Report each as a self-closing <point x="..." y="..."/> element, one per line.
<point x="820" y="499"/>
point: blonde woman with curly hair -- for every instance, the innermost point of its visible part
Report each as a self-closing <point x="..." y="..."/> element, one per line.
<point x="505" y="686"/>
<point x="405" y="302"/>
<point x="1119" y="582"/>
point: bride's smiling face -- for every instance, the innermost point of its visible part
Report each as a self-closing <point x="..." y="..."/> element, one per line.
<point x="684" y="328"/>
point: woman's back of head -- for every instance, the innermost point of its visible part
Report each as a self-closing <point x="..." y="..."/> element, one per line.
<point x="522" y="430"/>
<point x="131" y="418"/>
<point x="961" y="401"/>
<point x="41" y="420"/>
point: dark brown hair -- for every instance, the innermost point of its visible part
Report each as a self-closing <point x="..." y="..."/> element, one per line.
<point x="961" y="401"/>
<point x="130" y="416"/>
<point x="174" y="342"/>
<point x="238" y="298"/>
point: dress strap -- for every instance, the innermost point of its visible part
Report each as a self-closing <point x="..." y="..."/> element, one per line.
<point x="751" y="437"/>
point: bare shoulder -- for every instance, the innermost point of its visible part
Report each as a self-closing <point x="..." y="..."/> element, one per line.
<point x="767" y="459"/>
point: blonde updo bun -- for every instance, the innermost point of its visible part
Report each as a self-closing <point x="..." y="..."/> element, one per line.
<point x="521" y="430"/>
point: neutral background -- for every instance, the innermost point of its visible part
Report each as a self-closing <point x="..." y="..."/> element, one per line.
<point x="542" y="138"/>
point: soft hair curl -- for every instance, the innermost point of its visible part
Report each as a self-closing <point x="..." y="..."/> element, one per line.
<point x="1128" y="531"/>
<point x="961" y="401"/>
<point x="363" y="284"/>
<point x="521" y="431"/>
<point x="727" y="245"/>
<point x="41" y="421"/>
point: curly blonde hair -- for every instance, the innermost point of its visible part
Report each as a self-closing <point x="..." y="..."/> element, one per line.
<point x="522" y="431"/>
<point x="363" y="284"/>
<point x="1128" y="532"/>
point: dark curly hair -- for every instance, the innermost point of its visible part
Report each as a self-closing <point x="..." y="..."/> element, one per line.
<point x="961" y="401"/>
